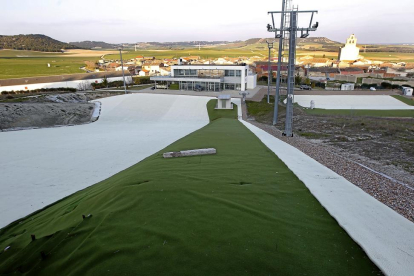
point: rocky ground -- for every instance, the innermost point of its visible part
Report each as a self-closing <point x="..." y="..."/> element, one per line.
<point x="47" y="110"/>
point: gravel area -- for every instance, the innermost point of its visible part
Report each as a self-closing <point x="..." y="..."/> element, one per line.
<point x="395" y="194"/>
<point x="48" y="110"/>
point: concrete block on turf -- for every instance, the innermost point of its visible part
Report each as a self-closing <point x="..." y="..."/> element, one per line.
<point x="185" y="153"/>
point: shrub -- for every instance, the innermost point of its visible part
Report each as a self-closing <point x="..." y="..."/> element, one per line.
<point x="263" y="78"/>
<point x="142" y="80"/>
<point x="174" y="86"/>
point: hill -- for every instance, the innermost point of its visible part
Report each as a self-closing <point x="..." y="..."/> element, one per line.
<point x="316" y="40"/>
<point x="260" y="43"/>
<point x="33" y="42"/>
<point x="93" y="44"/>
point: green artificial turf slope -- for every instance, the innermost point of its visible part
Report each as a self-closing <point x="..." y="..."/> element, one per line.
<point x="215" y="114"/>
<point x="240" y="212"/>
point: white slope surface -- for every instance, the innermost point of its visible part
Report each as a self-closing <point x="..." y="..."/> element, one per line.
<point x="381" y="102"/>
<point x="386" y="236"/>
<point x="41" y="166"/>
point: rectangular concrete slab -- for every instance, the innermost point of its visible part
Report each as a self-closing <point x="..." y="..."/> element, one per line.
<point x="380" y="102"/>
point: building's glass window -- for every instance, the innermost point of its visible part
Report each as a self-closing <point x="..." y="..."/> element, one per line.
<point x="238" y="73"/>
<point x="229" y="73"/>
<point x="185" y="72"/>
<point x="229" y="86"/>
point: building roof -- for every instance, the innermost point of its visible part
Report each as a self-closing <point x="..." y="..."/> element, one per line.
<point x="317" y="60"/>
<point x="351" y="69"/>
<point x="224" y="97"/>
<point x="324" y="69"/>
<point x="213" y="65"/>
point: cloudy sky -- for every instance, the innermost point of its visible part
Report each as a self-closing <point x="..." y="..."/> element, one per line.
<point x="373" y="21"/>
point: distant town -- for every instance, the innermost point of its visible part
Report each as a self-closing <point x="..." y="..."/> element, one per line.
<point x="350" y="67"/>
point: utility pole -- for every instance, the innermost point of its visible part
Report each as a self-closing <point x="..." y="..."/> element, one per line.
<point x="269" y="72"/>
<point x="122" y="67"/>
<point x="292" y="30"/>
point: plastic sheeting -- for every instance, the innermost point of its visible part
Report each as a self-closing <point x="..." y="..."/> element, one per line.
<point x="352" y="102"/>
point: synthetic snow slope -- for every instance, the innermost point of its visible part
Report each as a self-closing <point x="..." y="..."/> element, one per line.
<point x="380" y="102"/>
<point x="41" y="166"/>
<point x="385" y="236"/>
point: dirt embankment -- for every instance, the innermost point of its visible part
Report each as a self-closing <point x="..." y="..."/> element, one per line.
<point x="43" y="111"/>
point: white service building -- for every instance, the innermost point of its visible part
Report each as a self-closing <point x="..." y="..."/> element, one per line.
<point x="407" y="91"/>
<point x="224" y="102"/>
<point x="209" y="77"/>
<point x="348" y="86"/>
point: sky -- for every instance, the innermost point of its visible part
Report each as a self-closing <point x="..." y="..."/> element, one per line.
<point x="131" y="21"/>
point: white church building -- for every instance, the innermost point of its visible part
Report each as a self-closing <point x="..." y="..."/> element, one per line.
<point x="350" y="52"/>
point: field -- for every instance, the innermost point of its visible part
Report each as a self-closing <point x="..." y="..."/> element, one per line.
<point x="19" y="64"/>
<point x="241" y="211"/>
<point x="203" y="53"/>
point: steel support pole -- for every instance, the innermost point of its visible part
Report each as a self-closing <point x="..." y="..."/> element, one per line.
<point x="269" y="77"/>
<point x="291" y="76"/>
<point x="279" y="64"/>
<point x="122" y="65"/>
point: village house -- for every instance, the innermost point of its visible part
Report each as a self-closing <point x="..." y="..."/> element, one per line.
<point x="143" y="73"/>
<point x="351" y="71"/>
<point x="153" y="68"/>
<point x="322" y="72"/>
<point x="316" y="62"/>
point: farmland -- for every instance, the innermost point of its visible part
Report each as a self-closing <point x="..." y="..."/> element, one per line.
<point x="18" y="64"/>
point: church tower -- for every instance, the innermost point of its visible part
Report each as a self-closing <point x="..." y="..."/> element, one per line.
<point x="350" y="52"/>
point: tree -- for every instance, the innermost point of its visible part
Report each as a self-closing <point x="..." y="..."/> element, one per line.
<point x="105" y="82"/>
<point x="307" y="81"/>
<point x="298" y="79"/>
<point x="83" y="86"/>
<point x="386" y="85"/>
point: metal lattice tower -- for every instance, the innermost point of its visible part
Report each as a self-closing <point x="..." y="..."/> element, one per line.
<point x="282" y="33"/>
<point x="285" y="44"/>
<point x="291" y="75"/>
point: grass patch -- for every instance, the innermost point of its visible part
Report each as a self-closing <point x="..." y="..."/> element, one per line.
<point x="215" y="114"/>
<point x="263" y="111"/>
<point x="19" y="64"/>
<point x="405" y="100"/>
<point x="313" y="135"/>
<point x="360" y="112"/>
<point x="240" y="212"/>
